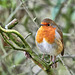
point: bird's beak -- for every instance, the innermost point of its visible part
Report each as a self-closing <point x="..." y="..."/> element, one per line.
<point x="42" y="25"/>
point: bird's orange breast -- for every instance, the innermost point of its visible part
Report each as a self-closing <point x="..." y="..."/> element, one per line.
<point x="46" y="32"/>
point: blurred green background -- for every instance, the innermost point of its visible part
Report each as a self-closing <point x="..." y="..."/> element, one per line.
<point x="61" y="11"/>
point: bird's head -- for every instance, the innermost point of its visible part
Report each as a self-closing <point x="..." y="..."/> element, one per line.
<point x="47" y="22"/>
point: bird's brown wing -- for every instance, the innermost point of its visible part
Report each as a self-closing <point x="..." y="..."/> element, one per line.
<point x="59" y="31"/>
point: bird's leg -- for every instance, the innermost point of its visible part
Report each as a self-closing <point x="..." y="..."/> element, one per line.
<point x="43" y="56"/>
<point x="50" y="57"/>
<point x="27" y="55"/>
<point x="53" y="60"/>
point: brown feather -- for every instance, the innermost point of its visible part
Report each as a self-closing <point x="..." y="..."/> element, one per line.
<point x="59" y="31"/>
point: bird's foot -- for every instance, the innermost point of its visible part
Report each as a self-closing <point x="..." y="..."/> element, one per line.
<point x="43" y="57"/>
<point x="27" y="55"/>
<point x="53" y="58"/>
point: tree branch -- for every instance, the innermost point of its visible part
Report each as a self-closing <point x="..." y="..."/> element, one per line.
<point x="11" y="24"/>
<point x="44" y="65"/>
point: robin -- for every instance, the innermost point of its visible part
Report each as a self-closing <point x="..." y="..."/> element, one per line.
<point x="49" y="39"/>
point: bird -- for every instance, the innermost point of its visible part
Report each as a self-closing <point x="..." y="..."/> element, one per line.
<point x="49" y="39"/>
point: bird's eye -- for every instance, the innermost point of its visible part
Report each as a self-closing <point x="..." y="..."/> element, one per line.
<point x="48" y="24"/>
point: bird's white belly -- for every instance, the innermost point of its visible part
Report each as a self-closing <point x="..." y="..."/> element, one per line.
<point x="47" y="48"/>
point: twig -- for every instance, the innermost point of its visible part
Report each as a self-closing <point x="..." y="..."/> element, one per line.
<point x="29" y="14"/>
<point x="68" y="56"/>
<point x="12" y="14"/>
<point x="11" y="24"/>
<point x="27" y="35"/>
<point x="15" y="32"/>
<point x="65" y="66"/>
<point x="35" y="19"/>
<point x="22" y="49"/>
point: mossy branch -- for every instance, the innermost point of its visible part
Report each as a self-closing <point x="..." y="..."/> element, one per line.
<point x="6" y="33"/>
